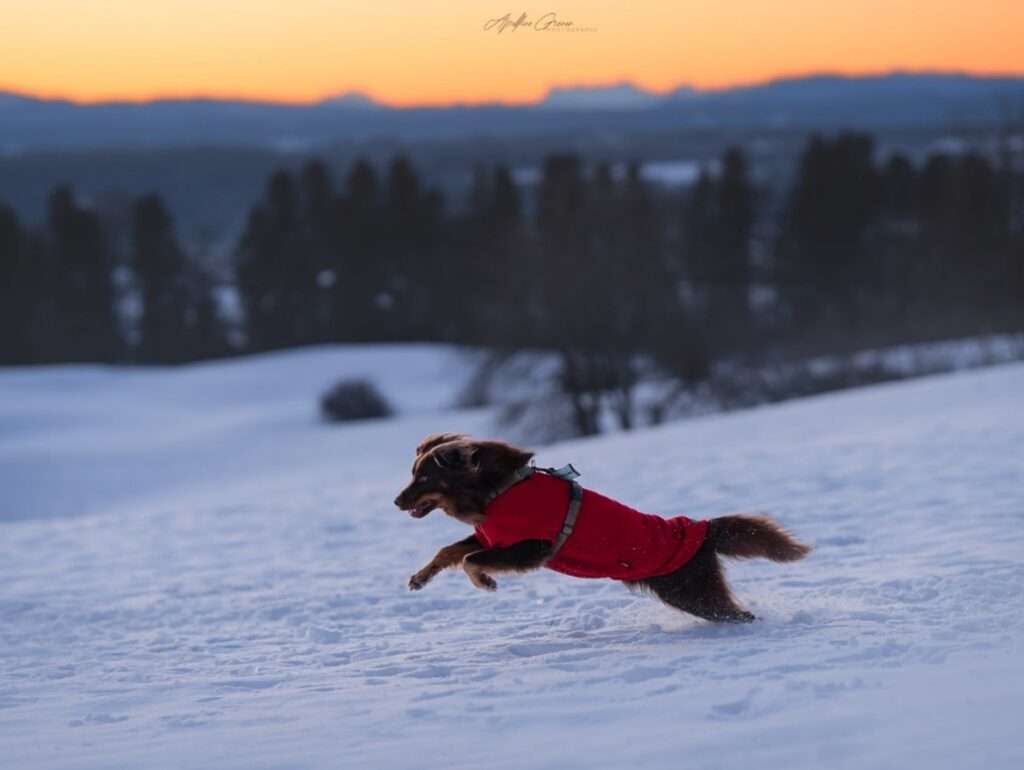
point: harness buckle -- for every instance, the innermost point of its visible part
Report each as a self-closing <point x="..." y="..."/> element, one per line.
<point x="566" y="472"/>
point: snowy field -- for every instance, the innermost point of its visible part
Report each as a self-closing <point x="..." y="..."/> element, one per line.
<point x="196" y="573"/>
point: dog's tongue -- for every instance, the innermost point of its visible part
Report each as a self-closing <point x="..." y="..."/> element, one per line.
<point x="419" y="512"/>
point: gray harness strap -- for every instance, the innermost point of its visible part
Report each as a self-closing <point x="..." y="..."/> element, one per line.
<point x="566" y="473"/>
<point x="575" y="501"/>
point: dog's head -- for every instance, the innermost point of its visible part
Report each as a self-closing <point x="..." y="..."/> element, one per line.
<point x="456" y="473"/>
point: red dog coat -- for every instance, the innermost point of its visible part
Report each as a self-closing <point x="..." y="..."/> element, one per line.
<point x="610" y="540"/>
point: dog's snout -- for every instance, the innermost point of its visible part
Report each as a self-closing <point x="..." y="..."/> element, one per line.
<point x="403" y="499"/>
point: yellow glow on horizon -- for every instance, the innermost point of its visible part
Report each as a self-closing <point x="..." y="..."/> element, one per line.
<point x="418" y="52"/>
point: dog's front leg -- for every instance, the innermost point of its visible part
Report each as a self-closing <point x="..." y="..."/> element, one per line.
<point x="449" y="556"/>
<point x="521" y="557"/>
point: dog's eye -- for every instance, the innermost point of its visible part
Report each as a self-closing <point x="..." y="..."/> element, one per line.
<point x="421" y="479"/>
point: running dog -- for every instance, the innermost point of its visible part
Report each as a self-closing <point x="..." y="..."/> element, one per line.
<point x="525" y="518"/>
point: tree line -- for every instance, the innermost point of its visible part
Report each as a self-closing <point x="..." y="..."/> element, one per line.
<point x="613" y="273"/>
<point x="65" y="291"/>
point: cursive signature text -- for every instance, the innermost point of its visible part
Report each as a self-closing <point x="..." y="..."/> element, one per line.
<point x="549" y="22"/>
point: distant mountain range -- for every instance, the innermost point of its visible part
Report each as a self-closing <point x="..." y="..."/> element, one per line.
<point x="898" y="98"/>
<point x="28" y="123"/>
<point x="622" y="96"/>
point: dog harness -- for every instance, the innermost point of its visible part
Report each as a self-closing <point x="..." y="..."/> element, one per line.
<point x="593" y="536"/>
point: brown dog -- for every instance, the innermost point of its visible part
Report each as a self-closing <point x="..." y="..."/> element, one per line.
<point x="490" y="486"/>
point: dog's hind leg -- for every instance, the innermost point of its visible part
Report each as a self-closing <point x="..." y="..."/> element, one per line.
<point x="449" y="556"/>
<point x="699" y="588"/>
<point x="521" y="557"/>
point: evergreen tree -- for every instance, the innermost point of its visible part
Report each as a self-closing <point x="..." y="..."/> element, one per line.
<point x="898" y="188"/>
<point x="160" y="270"/>
<point x="733" y="232"/>
<point x="718" y="223"/>
<point x="320" y="221"/>
<point x="965" y="216"/>
<point x="983" y="225"/>
<point x="180" y="321"/>
<point x="84" y="290"/>
<point x="277" y="271"/>
<point x="902" y="282"/>
<point x="833" y="203"/>
<point x="359" y="302"/>
<point x="700" y="229"/>
<point x="490" y="256"/>
<point x="20" y="291"/>
<point x="609" y="300"/>
<point x="412" y="218"/>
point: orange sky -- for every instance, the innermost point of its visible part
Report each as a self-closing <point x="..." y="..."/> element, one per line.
<point x="414" y="51"/>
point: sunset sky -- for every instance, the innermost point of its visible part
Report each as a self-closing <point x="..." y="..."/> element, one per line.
<point x="413" y="51"/>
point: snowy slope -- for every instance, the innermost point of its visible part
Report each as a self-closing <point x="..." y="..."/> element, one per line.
<point x="195" y="573"/>
<point x="81" y="438"/>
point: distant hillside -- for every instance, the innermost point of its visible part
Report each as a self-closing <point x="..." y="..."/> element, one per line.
<point x="210" y="159"/>
<point x="822" y="100"/>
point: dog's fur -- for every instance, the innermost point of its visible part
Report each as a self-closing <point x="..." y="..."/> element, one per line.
<point x="458" y="474"/>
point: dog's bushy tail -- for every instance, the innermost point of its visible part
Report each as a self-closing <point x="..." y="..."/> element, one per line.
<point x="748" y="537"/>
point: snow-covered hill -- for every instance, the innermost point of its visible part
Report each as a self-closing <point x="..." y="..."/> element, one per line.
<point x="196" y="573"/>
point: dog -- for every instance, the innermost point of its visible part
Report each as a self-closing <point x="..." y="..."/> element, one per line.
<point x="523" y="519"/>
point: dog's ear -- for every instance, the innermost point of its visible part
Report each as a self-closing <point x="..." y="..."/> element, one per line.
<point x="500" y="456"/>
<point x="456" y="455"/>
<point x="435" y="439"/>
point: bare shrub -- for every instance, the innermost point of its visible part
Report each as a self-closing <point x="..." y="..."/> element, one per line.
<point x="353" y="400"/>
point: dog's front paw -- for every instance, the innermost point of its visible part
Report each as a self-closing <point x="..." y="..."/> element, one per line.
<point x="417" y="581"/>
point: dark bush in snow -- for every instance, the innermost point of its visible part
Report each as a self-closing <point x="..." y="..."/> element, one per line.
<point x="353" y="400"/>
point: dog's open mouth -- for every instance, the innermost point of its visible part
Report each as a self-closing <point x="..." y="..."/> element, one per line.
<point x="421" y="509"/>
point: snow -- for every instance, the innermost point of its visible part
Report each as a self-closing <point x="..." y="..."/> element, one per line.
<point x="113" y="434"/>
<point x="197" y="573"/>
<point x="669" y="173"/>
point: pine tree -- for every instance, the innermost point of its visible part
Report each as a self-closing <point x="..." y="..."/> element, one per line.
<point x="358" y="298"/>
<point x="277" y="271"/>
<point x="20" y="291"/>
<point x="84" y="289"/>
<point x="160" y="269"/>
<point x="320" y="220"/>
<point x="700" y="230"/>
<point x="833" y="203"/>
<point x="491" y="262"/>
<point x="418" y="286"/>
<point x="733" y="232"/>
<point x="717" y="225"/>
